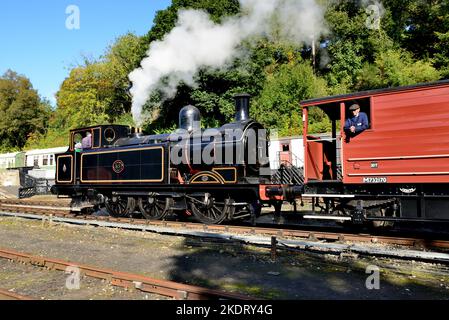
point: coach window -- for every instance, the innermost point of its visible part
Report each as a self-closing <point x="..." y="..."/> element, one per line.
<point x="52" y="159"/>
<point x="45" y="161"/>
<point x="36" y="161"/>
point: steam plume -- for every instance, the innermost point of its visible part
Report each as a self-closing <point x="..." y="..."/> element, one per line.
<point x="196" y="42"/>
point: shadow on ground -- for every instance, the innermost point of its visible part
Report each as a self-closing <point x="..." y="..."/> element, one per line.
<point x="248" y="269"/>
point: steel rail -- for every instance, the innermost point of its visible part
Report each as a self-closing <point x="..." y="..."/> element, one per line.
<point x="264" y="241"/>
<point x="167" y="288"/>
<point x="8" y="295"/>
<point x="263" y="231"/>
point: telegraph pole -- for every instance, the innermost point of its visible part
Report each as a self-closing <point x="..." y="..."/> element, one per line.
<point x="313" y="54"/>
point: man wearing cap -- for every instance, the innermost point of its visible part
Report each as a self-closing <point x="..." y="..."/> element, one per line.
<point x="358" y="122"/>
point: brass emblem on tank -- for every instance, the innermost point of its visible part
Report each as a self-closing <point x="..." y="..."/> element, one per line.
<point x="64" y="169"/>
<point x="205" y="178"/>
<point x="118" y="166"/>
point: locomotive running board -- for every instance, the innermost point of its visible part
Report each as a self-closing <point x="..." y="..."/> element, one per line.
<point x="147" y="194"/>
<point x="40" y="207"/>
<point x="328" y="195"/>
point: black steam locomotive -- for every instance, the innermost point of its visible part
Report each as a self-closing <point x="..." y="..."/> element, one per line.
<point x="216" y="174"/>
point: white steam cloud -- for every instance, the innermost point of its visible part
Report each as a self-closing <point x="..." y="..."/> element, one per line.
<point x="196" y="42"/>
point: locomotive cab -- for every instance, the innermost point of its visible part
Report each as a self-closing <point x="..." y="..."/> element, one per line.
<point x="103" y="136"/>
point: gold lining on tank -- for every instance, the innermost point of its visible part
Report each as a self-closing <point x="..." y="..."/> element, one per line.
<point x="227" y="168"/>
<point x="71" y="169"/>
<point x="217" y="178"/>
<point x="121" y="151"/>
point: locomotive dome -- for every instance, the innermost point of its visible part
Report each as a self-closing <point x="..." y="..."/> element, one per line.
<point x="190" y="118"/>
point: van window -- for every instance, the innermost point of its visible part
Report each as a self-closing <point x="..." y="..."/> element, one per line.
<point x="365" y="106"/>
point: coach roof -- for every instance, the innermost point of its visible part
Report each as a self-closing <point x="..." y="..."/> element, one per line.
<point x="366" y="94"/>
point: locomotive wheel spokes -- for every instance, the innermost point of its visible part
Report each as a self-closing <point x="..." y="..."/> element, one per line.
<point x="209" y="211"/>
<point x="153" y="208"/>
<point x="120" y="206"/>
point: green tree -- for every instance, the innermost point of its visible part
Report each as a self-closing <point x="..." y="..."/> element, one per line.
<point x="411" y="46"/>
<point x="213" y="95"/>
<point x="419" y="27"/>
<point x="22" y="112"/>
<point x="165" y="20"/>
<point x="84" y="97"/>
<point x="82" y="101"/>
<point x="427" y="18"/>
<point x="351" y="43"/>
<point x="120" y="59"/>
<point x="95" y="93"/>
<point x="278" y="105"/>
<point x="395" y="68"/>
<point x="442" y="55"/>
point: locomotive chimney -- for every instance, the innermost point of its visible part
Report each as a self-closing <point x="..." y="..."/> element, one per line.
<point x="137" y="133"/>
<point x="242" y="107"/>
<point x="190" y="118"/>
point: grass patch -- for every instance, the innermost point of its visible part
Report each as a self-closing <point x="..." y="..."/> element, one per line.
<point x="253" y="290"/>
<point x="243" y="288"/>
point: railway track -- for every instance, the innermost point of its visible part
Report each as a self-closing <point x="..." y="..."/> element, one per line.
<point x="8" y="295"/>
<point x="165" y="288"/>
<point x="52" y="210"/>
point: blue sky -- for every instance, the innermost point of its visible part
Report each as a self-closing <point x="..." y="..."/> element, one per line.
<point x="36" y="43"/>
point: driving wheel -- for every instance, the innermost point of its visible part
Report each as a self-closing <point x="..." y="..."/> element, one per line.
<point x="210" y="211"/>
<point x="120" y="207"/>
<point x="153" y="208"/>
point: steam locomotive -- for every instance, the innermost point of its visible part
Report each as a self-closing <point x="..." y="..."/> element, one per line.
<point x="397" y="169"/>
<point x="215" y="174"/>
